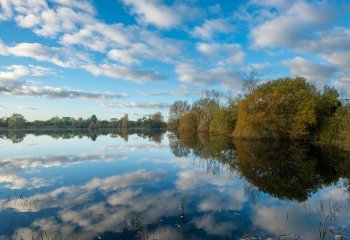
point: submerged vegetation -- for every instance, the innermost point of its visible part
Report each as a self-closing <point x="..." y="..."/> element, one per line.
<point x="283" y="109"/>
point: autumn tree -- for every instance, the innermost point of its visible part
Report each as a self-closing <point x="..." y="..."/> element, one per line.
<point x="282" y="109"/>
<point x="177" y="109"/>
<point x="223" y="122"/>
<point x="124" y="121"/>
<point x="205" y="109"/>
<point x="188" y="123"/>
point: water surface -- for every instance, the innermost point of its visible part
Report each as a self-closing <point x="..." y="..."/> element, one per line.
<point x="69" y="185"/>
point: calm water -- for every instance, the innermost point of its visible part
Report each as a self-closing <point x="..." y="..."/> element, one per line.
<point x="160" y="186"/>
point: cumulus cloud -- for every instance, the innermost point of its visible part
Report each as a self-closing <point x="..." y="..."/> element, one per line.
<point x="11" y="84"/>
<point x="118" y="71"/>
<point x="291" y="26"/>
<point x="45" y="21"/>
<point x="224" y="53"/>
<point x="156" y="13"/>
<point x="327" y="42"/>
<point x="122" y="56"/>
<point x="220" y="76"/>
<point x="318" y="72"/>
<point x="212" y="27"/>
<point x="12" y="74"/>
<point x="98" y="36"/>
<point x="63" y="57"/>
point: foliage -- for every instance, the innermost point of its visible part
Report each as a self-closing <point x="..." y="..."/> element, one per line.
<point x="223" y="122"/>
<point x="205" y="109"/>
<point x="16" y="121"/>
<point x="177" y="109"/>
<point x="188" y="123"/>
<point x="337" y="129"/>
<point x="282" y="109"/>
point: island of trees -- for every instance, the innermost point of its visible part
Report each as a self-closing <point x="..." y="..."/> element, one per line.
<point x="283" y="109"/>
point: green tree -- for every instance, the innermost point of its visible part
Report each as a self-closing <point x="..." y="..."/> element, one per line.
<point x="16" y="121"/>
<point x="223" y="122"/>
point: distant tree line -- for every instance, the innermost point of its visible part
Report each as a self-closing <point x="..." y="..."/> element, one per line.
<point x="17" y="121"/>
<point x="283" y="109"/>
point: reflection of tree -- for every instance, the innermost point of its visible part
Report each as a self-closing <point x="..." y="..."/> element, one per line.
<point x="15" y="136"/>
<point x="283" y="169"/>
<point x="176" y="147"/>
<point x="204" y="147"/>
<point x="288" y="170"/>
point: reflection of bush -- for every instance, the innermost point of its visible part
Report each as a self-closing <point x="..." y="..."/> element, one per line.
<point x="288" y="170"/>
<point x="283" y="169"/>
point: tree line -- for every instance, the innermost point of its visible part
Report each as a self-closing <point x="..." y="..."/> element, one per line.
<point x="17" y="121"/>
<point x="283" y="109"/>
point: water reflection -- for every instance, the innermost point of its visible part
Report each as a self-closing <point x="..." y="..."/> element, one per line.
<point x="144" y="186"/>
<point x="290" y="170"/>
<point x="17" y="136"/>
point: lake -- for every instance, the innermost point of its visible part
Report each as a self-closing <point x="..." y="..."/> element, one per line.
<point x="156" y="185"/>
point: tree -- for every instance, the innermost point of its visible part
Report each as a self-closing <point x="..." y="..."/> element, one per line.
<point x="177" y="109"/>
<point x="188" y="123"/>
<point x="282" y="109"/>
<point x="223" y="122"/>
<point x="205" y="109"/>
<point x="250" y="83"/>
<point x="16" y="121"/>
<point x="337" y="130"/>
<point x="93" y="119"/>
<point x="124" y="121"/>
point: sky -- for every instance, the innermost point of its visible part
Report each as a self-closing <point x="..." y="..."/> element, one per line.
<point x="112" y="57"/>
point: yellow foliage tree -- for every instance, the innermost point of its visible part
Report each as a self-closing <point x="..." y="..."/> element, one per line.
<point x="280" y="109"/>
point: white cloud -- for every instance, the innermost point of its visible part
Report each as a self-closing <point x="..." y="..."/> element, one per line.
<point x="64" y="16"/>
<point x="12" y="74"/>
<point x="318" y="72"/>
<point x="11" y="85"/>
<point x="143" y="105"/>
<point x="154" y="12"/>
<point x="224" y="53"/>
<point x="117" y="71"/>
<point x="98" y="36"/>
<point x="219" y="76"/>
<point x="78" y="4"/>
<point x="291" y="26"/>
<point x="5" y="10"/>
<point x="56" y="92"/>
<point x="212" y="27"/>
<point x="63" y="57"/>
<point x="122" y="56"/>
<point x="327" y="42"/>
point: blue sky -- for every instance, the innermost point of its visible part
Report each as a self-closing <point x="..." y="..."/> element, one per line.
<point x="111" y="57"/>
